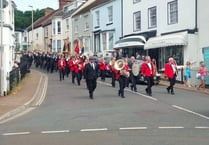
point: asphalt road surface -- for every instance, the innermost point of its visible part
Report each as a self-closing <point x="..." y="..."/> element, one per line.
<point x="69" y="117"/>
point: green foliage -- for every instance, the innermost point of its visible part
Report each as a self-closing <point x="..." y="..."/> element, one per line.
<point x="24" y="19"/>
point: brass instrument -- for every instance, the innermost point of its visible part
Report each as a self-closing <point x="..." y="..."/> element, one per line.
<point x="112" y="64"/>
<point x="120" y="65"/>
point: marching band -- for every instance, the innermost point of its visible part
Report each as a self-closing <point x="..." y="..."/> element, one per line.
<point x="80" y="67"/>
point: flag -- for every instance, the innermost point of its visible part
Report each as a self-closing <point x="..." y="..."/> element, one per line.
<point x="77" y="47"/>
<point x="83" y="46"/>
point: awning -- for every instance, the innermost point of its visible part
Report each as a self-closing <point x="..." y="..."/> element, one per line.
<point x="167" y="40"/>
<point x="130" y="41"/>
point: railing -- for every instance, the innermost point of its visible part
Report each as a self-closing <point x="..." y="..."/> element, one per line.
<point x="14" y="78"/>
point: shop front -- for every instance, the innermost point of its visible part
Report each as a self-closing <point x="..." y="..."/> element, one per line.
<point x="163" y="47"/>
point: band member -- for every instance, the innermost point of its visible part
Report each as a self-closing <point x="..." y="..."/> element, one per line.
<point x="103" y="68"/>
<point x="91" y="74"/>
<point x="123" y="75"/>
<point x="112" y="70"/>
<point x="132" y="77"/>
<point x="67" y="70"/>
<point x="81" y="68"/>
<point x="61" y="65"/>
<point x="148" y="72"/>
<point x="72" y="68"/>
<point x="171" y="72"/>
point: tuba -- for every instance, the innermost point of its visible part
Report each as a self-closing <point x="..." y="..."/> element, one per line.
<point x="120" y="65"/>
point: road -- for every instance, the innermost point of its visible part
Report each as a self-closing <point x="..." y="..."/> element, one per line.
<point x="69" y="117"/>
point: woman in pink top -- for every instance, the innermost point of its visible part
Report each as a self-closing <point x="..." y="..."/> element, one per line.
<point x="203" y="72"/>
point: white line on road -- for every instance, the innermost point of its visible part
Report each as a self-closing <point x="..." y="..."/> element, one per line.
<point x="132" y="92"/>
<point x="170" y="127"/>
<point x="17" y="133"/>
<point x="58" y="131"/>
<point x="189" y="111"/>
<point x="202" y="127"/>
<point x="91" y="130"/>
<point x="133" y="128"/>
<point x="142" y="95"/>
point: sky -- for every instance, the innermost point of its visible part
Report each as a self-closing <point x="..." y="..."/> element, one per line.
<point x="23" y="5"/>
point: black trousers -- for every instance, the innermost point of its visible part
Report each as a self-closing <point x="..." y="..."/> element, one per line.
<point x="91" y="85"/>
<point x="149" y="84"/>
<point x="103" y="75"/>
<point x="80" y="74"/>
<point x="122" y="85"/>
<point x="77" y="75"/>
<point x="133" y="80"/>
<point x="73" y="76"/>
<point x="113" y="78"/>
<point x="172" y="83"/>
<point x="67" y="71"/>
<point x="62" y="74"/>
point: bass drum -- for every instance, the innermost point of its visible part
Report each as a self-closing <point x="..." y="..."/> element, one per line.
<point x="136" y="68"/>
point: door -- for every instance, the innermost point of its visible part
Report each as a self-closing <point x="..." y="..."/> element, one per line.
<point x="206" y="61"/>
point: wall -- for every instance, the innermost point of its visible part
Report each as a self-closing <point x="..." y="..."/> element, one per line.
<point x="185" y="21"/>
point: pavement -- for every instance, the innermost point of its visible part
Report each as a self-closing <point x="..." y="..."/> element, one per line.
<point x="27" y="94"/>
<point x="31" y="92"/>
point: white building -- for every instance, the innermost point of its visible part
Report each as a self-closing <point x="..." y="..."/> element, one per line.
<point x="172" y="28"/>
<point x="18" y="40"/>
<point x="8" y="46"/>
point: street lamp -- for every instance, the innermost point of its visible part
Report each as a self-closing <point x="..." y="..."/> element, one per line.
<point x="32" y="26"/>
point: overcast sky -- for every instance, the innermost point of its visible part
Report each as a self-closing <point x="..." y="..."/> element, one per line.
<point x="37" y="4"/>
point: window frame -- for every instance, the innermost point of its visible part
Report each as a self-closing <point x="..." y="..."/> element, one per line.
<point x="136" y="1"/>
<point x="149" y="17"/>
<point x="97" y="23"/>
<point x="169" y="12"/>
<point x="134" y="21"/>
<point x="110" y="15"/>
<point x="59" y="29"/>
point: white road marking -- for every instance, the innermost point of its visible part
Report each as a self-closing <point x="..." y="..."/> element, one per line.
<point x="149" y="97"/>
<point x="91" y="130"/>
<point x="133" y="128"/>
<point x="189" y="111"/>
<point x="17" y="133"/>
<point x="58" y="131"/>
<point x="170" y="127"/>
<point x="202" y="127"/>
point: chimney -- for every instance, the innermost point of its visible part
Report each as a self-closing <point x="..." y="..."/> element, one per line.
<point x="48" y="11"/>
<point x="63" y="2"/>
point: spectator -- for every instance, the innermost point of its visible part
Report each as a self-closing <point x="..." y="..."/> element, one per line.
<point x="154" y="66"/>
<point x="187" y="74"/>
<point x="137" y="56"/>
<point x="15" y="64"/>
<point x="203" y="72"/>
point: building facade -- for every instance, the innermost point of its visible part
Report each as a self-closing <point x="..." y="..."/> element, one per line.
<point x="7" y="46"/>
<point x="107" y="25"/>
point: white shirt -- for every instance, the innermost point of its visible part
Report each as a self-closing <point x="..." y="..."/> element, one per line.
<point x="149" y="65"/>
<point x="173" y="67"/>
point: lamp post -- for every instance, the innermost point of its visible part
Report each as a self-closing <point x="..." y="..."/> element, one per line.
<point x="32" y="26"/>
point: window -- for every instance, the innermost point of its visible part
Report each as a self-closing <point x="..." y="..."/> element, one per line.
<point x="86" y="44"/>
<point x="137" y="21"/>
<point x="136" y="1"/>
<point x="104" y="41"/>
<point x="97" y="18"/>
<point x="86" y="26"/>
<point x="152" y="14"/>
<point x="46" y="32"/>
<point x="67" y="24"/>
<point x="97" y="43"/>
<point x="110" y="14"/>
<point x="59" y="49"/>
<point x="173" y="12"/>
<point x="53" y="46"/>
<point x="53" y="27"/>
<point x="111" y="38"/>
<point x="59" y="27"/>
<point x="37" y="35"/>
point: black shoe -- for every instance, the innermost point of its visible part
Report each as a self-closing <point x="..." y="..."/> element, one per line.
<point x="135" y="90"/>
<point x="119" y="93"/>
<point x="150" y="94"/>
<point x="122" y="96"/>
<point x="131" y="88"/>
<point x="172" y="93"/>
<point x="168" y="90"/>
<point x="146" y="90"/>
<point x="91" y="96"/>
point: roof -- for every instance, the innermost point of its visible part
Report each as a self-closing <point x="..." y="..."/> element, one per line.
<point x="92" y="5"/>
<point x="42" y="20"/>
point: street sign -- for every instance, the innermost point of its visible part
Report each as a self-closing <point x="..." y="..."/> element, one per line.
<point x="5" y="4"/>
